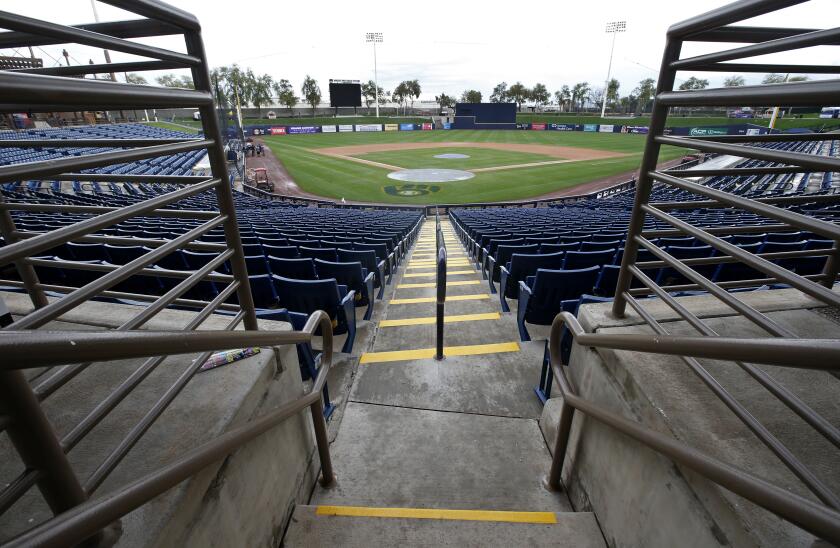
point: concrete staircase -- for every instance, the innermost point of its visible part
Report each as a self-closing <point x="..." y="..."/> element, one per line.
<point x="441" y="453"/>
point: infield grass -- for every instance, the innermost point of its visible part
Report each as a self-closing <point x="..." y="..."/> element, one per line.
<point x="339" y="178"/>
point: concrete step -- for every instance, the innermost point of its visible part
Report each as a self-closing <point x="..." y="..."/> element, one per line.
<point x="350" y="526"/>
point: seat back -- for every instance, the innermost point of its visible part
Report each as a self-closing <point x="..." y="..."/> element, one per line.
<point x="281" y="251"/>
<point x="124" y="254"/>
<point x="599" y="246"/>
<point x="307" y="296"/>
<point x="585" y="259"/>
<point x="551" y="287"/>
<point x="559" y="248"/>
<point x="524" y="265"/>
<point x="728" y="272"/>
<point x="256" y="265"/>
<point x="323" y="253"/>
<point x="669" y="276"/>
<point x="349" y="274"/>
<point x="87" y="252"/>
<point x="298" y="269"/>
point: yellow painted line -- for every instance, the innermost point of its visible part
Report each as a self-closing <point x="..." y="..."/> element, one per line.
<point x="418" y="300"/>
<point x="426" y="320"/>
<point x="433" y="284"/>
<point x="438" y="513"/>
<point x="426" y="264"/>
<point x="432" y="273"/>
<point x="426" y="353"/>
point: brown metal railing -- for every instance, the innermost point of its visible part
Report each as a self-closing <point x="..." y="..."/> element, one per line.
<point x="783" y="348"/>
<point x="823" y="520"/>
<point x="43" y="454"/>
<point x="82" y="519"/>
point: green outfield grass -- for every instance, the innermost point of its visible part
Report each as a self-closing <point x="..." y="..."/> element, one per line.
<point x="673" y="121"/>
<point x="337" y="178"/>
<point x="174" y="127"/>
<point x="478" y="158"/>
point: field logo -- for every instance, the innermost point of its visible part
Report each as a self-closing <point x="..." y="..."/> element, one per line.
<point x="410" y="190"/>
<point x="590" y="127"/>
<point x="701" y="131"/>
<point x="392" y="127"/>
<point x="327" y="129"/>
<point x="278" y="130"/>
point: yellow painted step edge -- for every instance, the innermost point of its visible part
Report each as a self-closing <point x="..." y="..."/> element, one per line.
<point x="427" y="353"/>
<point x="418" y="300"/>
<point x="434" y="284"/>
<point x="426" y="320"/>
<point x="438" y="513"/>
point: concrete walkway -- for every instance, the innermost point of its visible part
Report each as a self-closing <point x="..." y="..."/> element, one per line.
<point x="424" y="443"/>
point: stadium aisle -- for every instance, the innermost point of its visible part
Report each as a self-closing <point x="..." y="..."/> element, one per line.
<point x="459" y="436"/>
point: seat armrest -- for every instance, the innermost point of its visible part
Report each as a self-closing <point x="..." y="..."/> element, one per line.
<point x="522" y="309"/>
<point x="491" y="266"/>
<point x="503" y="281"/>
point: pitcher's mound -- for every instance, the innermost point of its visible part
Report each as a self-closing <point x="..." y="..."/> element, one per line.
<point x="431" y="175"/>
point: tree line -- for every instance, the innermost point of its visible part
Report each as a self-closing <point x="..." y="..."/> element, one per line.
<point x="242" y="86"/>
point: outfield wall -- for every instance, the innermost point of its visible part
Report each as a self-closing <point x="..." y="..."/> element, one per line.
<point x="271" y="129"/>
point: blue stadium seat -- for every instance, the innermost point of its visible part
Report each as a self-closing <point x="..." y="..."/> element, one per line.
<point x="585" y="259"/>
<point x="323" y="253"/>
<point x="352" y="275"/>
<point x="298" y="269"/>
<point x="370" y="262"/>
<point x="307" y="296"/>
<point x="519" y="268"/>
<point x="281" y="252"/>
<point x="541" y="296"/>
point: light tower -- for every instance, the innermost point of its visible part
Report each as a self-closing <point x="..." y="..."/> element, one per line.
<point x="375" y="38"/>
<point x="612" y="28"/>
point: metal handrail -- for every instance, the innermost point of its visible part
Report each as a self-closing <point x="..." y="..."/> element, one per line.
<point x="440" y="286"/>
<point x="44" y="348"/>
<point x="743" y="352"/>
<point x="43" y="454"/>
<point x="819" y="519"/>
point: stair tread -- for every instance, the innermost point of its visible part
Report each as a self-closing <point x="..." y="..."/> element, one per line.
<point x="308" y="528"/>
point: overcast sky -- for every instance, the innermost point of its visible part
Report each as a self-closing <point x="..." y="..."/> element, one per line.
<point x="448" y="46"/>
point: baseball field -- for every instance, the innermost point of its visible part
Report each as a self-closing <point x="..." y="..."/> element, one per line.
<point x="494" y="165"/>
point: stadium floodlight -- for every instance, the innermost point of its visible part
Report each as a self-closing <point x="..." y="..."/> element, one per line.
<point x="613" y="28"/>
<point x="374" y="38"/>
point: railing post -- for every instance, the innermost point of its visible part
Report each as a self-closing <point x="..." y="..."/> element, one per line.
<point x="224" y="194"/>
<point x="561" y="443"/>
<point x="25" y="271"/>
<point x="645" y="183"/>
<point x="319" y="422"/>
<point x="35" y="441"/>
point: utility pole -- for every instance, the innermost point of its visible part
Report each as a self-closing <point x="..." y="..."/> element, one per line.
<point x="612" y="28"/>
<point x="375" y="38"/>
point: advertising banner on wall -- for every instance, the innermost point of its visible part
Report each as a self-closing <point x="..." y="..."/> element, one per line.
<point x="327" y="129"/>
<point x="392" y="127"/>
<point x="345" y="128"/>
<point x="606" y="128"/>
<point x="302" y="129"/>
<point x="566" y="127"/>
<point x="368" y="127"/>
<point x="637" y="129"/>
<point x="406" y="127"/>
<point x="278" y="130"/>
<point x="447" y="125"/>
<point x="590" y="127"/>
<point x="702" y="131"/>
<point x="538" y="127"/>
<point x="427" y="126"/>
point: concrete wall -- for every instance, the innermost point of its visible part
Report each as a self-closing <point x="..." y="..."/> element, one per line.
<point x="640" y="497"/>
<point x="243" y="500"/>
